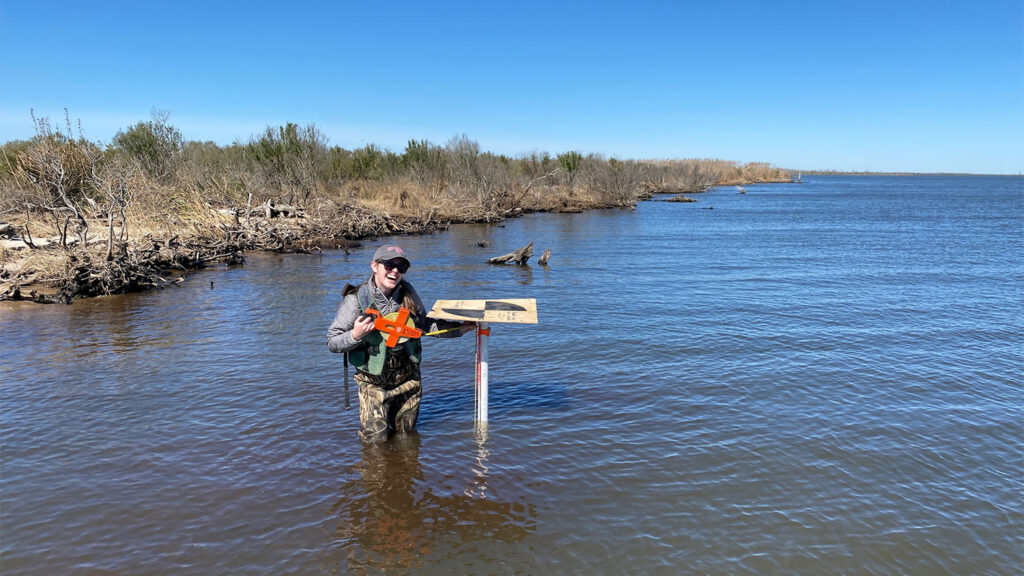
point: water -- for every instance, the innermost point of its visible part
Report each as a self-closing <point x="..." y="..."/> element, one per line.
<point x="813" y="378"/>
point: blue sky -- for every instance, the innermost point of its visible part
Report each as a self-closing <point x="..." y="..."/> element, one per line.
<point x="895" y="85"/>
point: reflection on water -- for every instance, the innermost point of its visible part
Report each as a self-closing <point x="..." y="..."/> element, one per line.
<point x="478" y="487"/>
<point x="389" y="516"/>
<point x="378" y="513"/>
<point x="524" y="275"/>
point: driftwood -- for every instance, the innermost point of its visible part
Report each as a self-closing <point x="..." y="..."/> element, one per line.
<point x="545" y="257"/>
<point x="145" y="264"/>
<point x="149" y="262"/>
<point x="271" y="210"/>
<point x="124" y="269"/>
<point x="519" y="256"/>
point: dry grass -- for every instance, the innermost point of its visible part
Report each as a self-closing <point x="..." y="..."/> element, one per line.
<point x="401" y="197"/>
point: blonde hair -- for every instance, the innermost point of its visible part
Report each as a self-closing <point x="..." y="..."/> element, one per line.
<point x="408" y="301"/>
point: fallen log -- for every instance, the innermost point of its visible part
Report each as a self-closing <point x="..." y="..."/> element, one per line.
<point x="519" y="256"/>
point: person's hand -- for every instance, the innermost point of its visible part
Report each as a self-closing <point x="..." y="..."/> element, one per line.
<point x="362" y="327"/>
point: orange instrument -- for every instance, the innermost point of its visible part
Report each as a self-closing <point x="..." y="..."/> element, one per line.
<point x="397" y="326"/>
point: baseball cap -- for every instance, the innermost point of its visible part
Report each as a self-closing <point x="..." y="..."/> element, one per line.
<point x="390" y="252"/>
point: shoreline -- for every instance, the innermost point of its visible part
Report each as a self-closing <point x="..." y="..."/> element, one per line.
<point x="127" y="216"/>
<point x="51" y="274"/>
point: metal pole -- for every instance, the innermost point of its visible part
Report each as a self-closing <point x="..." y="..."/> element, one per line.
<point x="482" y="333"/>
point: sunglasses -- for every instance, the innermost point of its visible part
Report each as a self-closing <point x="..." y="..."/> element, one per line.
<point x="402" y="267"/>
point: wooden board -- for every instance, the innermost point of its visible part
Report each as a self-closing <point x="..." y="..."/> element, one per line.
<point x="498" y="310"/>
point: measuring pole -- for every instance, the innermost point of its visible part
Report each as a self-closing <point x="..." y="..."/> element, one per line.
<point x="483" y="332"/>
<point x="484" y="313"/>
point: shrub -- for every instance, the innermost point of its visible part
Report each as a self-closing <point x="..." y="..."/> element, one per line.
<point x="291" y="159"/>
<point x="58" y="171"/>
<point x="220" y="174"/>
<point x="424" y="162"/>
<point x="463" y="165"/>
<point x="152" y="144"/>
<point x="570" y="163"/>
<point x="373" y="163"/>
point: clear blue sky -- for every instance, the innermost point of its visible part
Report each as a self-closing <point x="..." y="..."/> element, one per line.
<point x="893" y="85"/>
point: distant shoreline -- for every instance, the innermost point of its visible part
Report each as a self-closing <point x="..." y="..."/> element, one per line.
<point x="846" y="173"/>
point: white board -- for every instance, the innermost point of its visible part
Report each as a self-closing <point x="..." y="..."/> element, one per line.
<point x="497" y="310"/>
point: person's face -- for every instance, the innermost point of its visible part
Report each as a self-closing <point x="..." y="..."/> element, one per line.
<point x="388" y="274"/>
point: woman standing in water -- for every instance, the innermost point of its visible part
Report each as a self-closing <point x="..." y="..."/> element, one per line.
<point x="388" y="378"/>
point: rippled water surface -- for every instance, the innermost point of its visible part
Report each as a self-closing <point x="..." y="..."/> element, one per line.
<point x="813" y="378"/>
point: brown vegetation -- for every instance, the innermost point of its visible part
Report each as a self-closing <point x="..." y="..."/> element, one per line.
<point x="82" y="219"/>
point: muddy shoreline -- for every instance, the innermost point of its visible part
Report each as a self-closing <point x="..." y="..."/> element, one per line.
<point x="44" y="272"/>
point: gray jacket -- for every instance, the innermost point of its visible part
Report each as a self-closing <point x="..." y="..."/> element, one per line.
<point x="339" y="335"/>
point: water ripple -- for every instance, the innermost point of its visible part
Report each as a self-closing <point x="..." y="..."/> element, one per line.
<point x="821" y="378"/>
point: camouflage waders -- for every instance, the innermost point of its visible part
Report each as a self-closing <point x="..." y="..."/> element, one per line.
<point x="391" y="401"/>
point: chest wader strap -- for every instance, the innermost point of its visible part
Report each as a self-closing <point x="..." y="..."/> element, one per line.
<point x="348" y="402"/>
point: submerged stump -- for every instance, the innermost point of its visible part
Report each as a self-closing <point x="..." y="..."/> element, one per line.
<point x="519" y="256"/>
